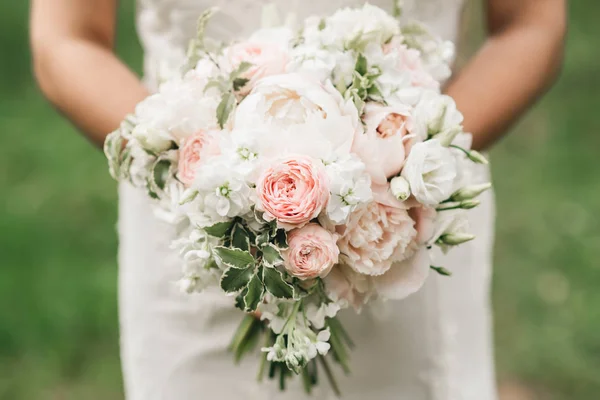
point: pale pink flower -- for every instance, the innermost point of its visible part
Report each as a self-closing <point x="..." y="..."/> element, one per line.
<point x="404" y="278"/>
<point x="293" y="191"/>
<point x="345" y="285"/>
<point x="387" y="140"/>
<point x="410" y="60"/>
<point x="266" y="58"/>
<point x="424" y="218"/>
<point x="311" y="252"/>
<point x="377" y="235"/>
<point x="195" y="150"/>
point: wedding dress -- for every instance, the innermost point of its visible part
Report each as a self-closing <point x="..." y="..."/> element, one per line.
<point x="435" y="345"/>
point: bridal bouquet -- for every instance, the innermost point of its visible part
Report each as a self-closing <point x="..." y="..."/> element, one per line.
<point x="308" y="170"/>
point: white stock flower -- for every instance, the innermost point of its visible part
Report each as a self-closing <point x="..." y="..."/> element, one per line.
<point x="350" y="187"/>
<point x="197" y="274"/>
<point x="242" y="150"/>
<point x="225" y="194"/>
<point x="430" y="170"/>
<point x="317" y="314"/>
<point x="323" y="65"/>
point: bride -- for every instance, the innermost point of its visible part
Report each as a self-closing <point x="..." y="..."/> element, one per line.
<point x="434" y="345"/>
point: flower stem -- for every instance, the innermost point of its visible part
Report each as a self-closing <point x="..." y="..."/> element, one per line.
<point x="263" y="358"/>
<point x="241" y="332"/>
<point x="335" y="324"/>
<point x="460" y="148"/>
<point x="306" y="380"/>
<point x="330" y="376"/>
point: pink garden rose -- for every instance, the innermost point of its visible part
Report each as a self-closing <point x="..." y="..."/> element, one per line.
<point x="377" y="235"/>
<point x="410" y="60"/>
<point x="293" y="191"/>
<point x="387" y="140"/>
<point x="266" y="58"/>
<point x="195" y="150"/>
<point x="311" y="252"/>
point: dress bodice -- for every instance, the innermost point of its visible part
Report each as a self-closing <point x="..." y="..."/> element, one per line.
<point x="166" y="26"/>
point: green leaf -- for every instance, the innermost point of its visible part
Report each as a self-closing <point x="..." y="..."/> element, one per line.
<point x="281" y="239"/>
<point x="234" y="257"/>
<point x="243" y="67"/>
<point x="276" y="285"/>
<point x="160" y="173"/>
<point x="255" y="293"/>
<point x="215" y="83"/>
<point x="272" y="255"/>
<point x="361" y="64"/>
<point x="239" y="83"/>
<point x="202" y="22"/>
<point x="239" y="299"/>
<point x="235" y="279"/>
<point x="225" y="108"/>
<point x="262" y="239"/>
<point x="113" y="147"/>
<point x="322" y="24"/>
<point x="220" y="229"/>
<point x="239" y="238"/>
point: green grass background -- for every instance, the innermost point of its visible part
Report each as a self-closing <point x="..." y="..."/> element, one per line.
<point x="58" y="307"/>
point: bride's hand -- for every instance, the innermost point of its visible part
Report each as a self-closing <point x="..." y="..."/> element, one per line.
<point x="72" y="45"/>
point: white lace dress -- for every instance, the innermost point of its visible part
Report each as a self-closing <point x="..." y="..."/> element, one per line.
<point x="435" y="345"/>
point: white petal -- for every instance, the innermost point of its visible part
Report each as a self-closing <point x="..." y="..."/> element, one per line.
<point x="404" y="278"/>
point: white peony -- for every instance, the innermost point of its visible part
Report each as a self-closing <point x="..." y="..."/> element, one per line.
<point x="377" y="235"/>
<point x="309" y="118"/>
<point x="430" y="170"/>
<point x="181" y="108"/>
<point x="347" y="287"/>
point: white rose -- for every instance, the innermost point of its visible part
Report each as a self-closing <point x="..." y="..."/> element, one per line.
<point x="309" y="118"/>
<point x="436" y="114"/>
<point x="450" y="222"/>
<point x="370" y="23"/>
<point x="323" y="64"/>
<point x="430" y="170"/>
<point x="152" y="137"/>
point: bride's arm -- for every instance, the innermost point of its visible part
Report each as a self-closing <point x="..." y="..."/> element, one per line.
<point x="520" y="59"/>
<point x="72" y="44"/>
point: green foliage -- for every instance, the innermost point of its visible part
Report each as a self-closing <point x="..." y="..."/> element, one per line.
<point x="276" y="284"/>
<point x="235" y="258"/>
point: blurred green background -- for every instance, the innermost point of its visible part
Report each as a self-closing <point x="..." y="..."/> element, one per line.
<point x="58" y="297"/>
